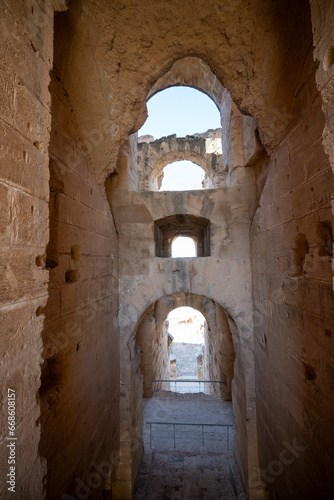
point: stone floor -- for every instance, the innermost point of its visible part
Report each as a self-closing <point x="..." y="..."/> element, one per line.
<point x="184" y="467"/>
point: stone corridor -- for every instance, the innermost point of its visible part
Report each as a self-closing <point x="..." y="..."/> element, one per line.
<point x="87" y="275"/>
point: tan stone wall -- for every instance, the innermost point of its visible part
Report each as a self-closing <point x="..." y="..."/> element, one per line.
<point x="293" y="305"/>
<point x="152" y="340"/>
<point x="25" y="61"/>
<point x="219" y="350"/>
<point x="261" y="76"/>
<point x="80" y="377"/>
<point x="323" y="33"/>
<point x="161" y="364"/>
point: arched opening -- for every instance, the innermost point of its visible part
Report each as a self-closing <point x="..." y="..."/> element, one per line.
<point x="175" y="113"/>
<point x="179" y="110"/>
<point x="197" y="162"/>
<point x="189" y="415"/>
<point x="182" y="176"/>
<point x="187" y="319"/>
<point x="186" y="326"/>
<point x="183" y="246"/>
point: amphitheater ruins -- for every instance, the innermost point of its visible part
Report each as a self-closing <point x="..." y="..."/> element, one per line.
<point x="87" y="276"/>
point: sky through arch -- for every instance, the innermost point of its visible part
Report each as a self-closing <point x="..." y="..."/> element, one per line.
<point x="182" y="175"/>
<point x="181" y="111"/>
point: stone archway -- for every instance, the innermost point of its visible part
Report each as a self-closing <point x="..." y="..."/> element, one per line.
<point x="192" y="72"/>
<point x="152" y="339"/>
<point x="204" y="150"/>
<point x="239" y="136"/>
<point x="150" y="321"/>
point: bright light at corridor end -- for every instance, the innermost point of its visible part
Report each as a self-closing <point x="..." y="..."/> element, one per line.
<point x="186" y="325"/>
<point x="183" y="246"/>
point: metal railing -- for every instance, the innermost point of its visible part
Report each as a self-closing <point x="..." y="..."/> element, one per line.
<point x="184" y="381"/>
<point x="202" y="425"/>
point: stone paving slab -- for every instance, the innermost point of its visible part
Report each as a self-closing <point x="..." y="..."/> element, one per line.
<point x="183" y="474"/>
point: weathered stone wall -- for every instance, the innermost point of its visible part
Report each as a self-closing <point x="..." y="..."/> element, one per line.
<point x="80" y="374"/>
<point x="152" y="339"/>
<point x="203" y="149"/>
<point x="186" y="359"/>
<point x="144" y="341"/>
<point x="291" y="254"/>
<point x="219" y="350"/>
<point x="161" y="367"/>
<point x="323" y="33"/>
<point x="25" y="61"/>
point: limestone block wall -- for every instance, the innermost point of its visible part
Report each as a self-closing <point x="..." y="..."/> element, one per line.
<point x="161" y="348"/>
<point x="186" y="360"/>
<point x="80" y="375"/>
<point x="293" y="300"/>
<point x="25" y="61"/>
<point x="144" y="341"/>
<point x="219" y="350"/>
<point x="152" y="339"/>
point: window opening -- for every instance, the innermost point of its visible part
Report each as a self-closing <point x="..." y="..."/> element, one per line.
<point x="184" y="246"/>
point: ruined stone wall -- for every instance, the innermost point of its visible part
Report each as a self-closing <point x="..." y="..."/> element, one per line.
<point x="219" y="350"/>
<point x="161" y="367"/>
<point x="124" y="69"/>
<point x="152" y="340"/>
<point x="80" y="376"/>
<point x="25" y="61"/>
<point x="291" y="254"/>
<point x="203" y="149"/>
<point x="144" y="341"/>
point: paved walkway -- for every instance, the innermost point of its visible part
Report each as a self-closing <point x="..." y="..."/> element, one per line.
<point x="182" y="462"/>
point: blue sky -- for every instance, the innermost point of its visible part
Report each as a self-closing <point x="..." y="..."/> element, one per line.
<point x="181" y="111"/>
